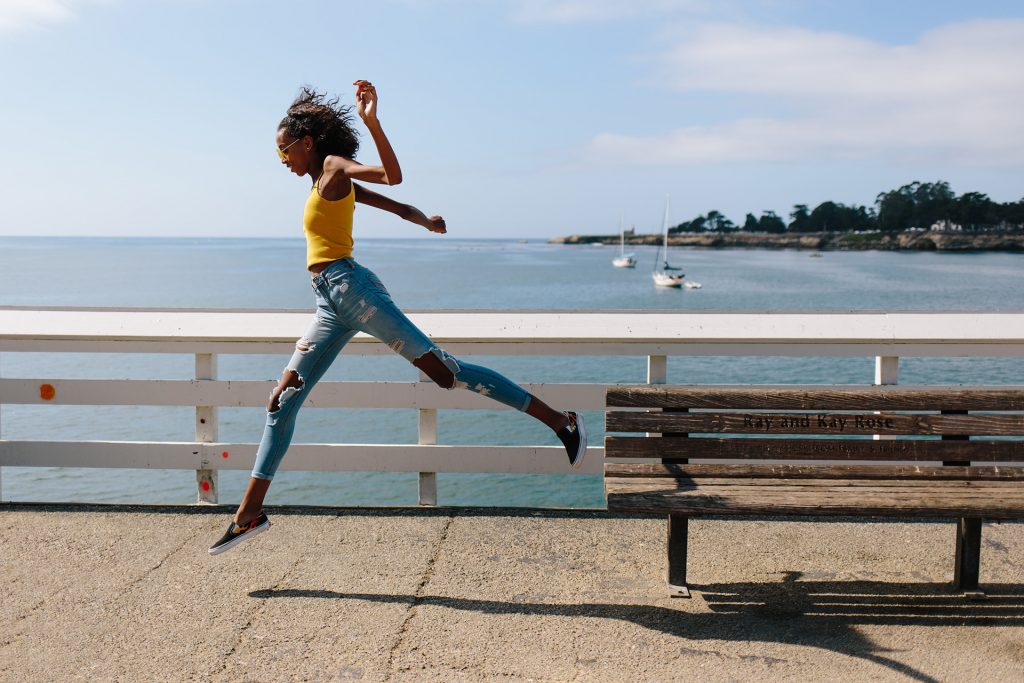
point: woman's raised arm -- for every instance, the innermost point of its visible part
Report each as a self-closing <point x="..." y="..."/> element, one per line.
<point x="389" y="172"/>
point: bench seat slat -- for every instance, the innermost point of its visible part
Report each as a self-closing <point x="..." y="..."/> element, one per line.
<point x="864" y="422"/>
<point x="775" y="471"/>
<point x="783" y="500"/>
<point x="818" y="397"/>
<point x="812" y="449"/>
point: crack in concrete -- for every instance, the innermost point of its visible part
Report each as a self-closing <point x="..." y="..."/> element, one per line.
<point x="428" y="573"/>
<point x="238" y="641"/>
<point x="55" y="590"/>
<point x="131" y="585"/>
<point x="108" y="601"/>
<point x="147" y="573"/>
<point x="18" y="620"/>
<point x="262" y="605"/>
<point x="24" y="616"/>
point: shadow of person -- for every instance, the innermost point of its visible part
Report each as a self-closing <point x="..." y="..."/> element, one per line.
<point x="821" y="614"/>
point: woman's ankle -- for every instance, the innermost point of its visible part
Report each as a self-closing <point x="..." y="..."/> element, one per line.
<point x="245" y="516"/>
<point x="554" y="419"/>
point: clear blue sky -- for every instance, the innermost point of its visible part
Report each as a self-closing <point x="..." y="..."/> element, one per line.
<point x="512" y="118"/>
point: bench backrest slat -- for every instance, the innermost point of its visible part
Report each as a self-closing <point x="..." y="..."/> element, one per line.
<point x="812" y="449"/>
<point x="858" y="398"/>
<point x="860" y="423"/>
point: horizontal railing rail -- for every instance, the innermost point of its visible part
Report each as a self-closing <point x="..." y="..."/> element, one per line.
<point x="253" y="393"/>
<point x="886" y="336"/>
<point x="530" y="332"/>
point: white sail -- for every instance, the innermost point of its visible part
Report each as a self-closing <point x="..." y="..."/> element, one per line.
<point x="623" y="260"/>
<point x="661" y="274"/>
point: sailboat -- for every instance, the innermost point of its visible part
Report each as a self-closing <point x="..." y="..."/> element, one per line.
<point x="623" y="260"/>
<point x="663" y="277"/>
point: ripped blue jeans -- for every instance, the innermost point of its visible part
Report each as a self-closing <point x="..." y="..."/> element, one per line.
<point x="350" y="299"/>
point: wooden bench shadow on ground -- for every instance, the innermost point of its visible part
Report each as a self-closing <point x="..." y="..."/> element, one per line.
<point x="821" y="614"/>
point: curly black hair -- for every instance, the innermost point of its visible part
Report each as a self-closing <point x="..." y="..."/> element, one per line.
<point x="324" y="120"/>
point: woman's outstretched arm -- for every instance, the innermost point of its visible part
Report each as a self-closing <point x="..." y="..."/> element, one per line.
<point x="389" y="172"/>
<point x="405" y="211"/>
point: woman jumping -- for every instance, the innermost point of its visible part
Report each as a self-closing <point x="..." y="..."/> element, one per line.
<point x="317" y="138"/>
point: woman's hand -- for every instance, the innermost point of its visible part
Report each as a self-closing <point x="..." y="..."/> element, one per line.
<point x="436" y="224"/>
<point x="389" y="172"/>
<point x="366" y="100"/>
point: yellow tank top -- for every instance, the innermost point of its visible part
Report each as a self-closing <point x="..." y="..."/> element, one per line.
<point x="328" y="227"/>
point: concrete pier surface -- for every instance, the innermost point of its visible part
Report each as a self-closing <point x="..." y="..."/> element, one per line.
<point x="130" y="594"/>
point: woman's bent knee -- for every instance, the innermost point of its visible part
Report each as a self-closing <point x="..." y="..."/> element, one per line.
<point x="291" y="383"/>
<point x="439" y="367"/>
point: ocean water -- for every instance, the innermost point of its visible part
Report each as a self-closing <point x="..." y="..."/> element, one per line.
<point x="443" y="273"/>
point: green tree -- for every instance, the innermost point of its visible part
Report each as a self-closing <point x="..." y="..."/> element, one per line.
<point x="751" y="224"/>
<point x="717" y="222"/>
<point x="833" y="217"/>
<point x="1012" y="214"/>
<point x="895" y="211"/>
<point x="801" y="219"/>
<point x="917" y="205"/>
<point x="974" y="210"/>
<point x="932" y="202"/>
<point x="770" y="222"/>
<point x="825" y="217"/>
<point x="698" y="224"/>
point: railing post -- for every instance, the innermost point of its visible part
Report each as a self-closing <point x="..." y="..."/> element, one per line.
<point x="887" y="369"/>
<point x="657" y="373"/>
<point x="206" y="430"/>
<point x="428" y="436"/>
<point x="657" y="369"/>
<point x="887" y="372"/>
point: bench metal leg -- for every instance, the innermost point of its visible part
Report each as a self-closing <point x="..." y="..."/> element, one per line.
<point x="677" y="538"/>
<point x="968" y="557"/>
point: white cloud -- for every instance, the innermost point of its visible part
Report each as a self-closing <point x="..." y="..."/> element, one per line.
<point x="954" y="95"/>
<point x="19" y="15"/>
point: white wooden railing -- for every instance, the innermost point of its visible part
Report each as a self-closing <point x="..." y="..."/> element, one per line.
<point x="207" y="333"/>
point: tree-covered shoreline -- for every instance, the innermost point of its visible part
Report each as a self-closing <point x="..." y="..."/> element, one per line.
<point x="912" y="240"/>
<point x="916" y="206"/>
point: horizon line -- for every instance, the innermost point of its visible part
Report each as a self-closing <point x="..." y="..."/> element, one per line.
<point x="251" y="237"/>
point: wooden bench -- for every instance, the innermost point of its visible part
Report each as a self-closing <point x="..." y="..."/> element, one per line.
<point x="858" y="451"/>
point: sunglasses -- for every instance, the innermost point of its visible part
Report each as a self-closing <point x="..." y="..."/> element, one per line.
<point x="282" y="151"/>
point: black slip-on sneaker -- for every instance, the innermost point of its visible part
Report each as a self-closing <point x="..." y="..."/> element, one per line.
<point x="237" y="533"/>
<point x="574" y="438"/>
